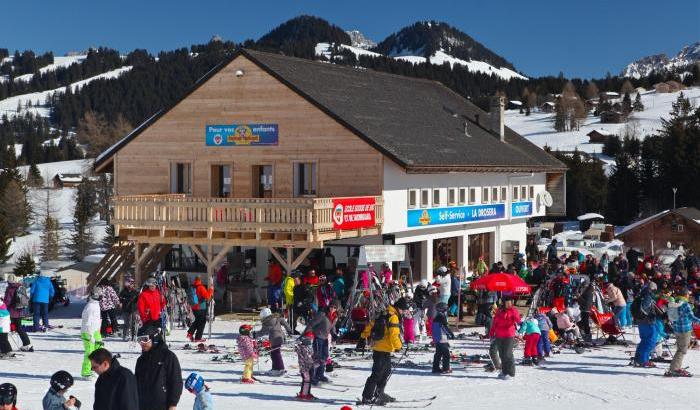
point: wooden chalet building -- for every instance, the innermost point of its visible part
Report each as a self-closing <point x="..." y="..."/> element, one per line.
<point x="680" y="226"/>
<point x="278" y="156"/>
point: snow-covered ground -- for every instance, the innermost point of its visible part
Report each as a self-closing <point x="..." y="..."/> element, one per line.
<point x="596" y="379"/>
<point x="58" y="62"/>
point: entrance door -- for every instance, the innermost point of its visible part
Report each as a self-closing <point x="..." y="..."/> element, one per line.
<point x="221" y="181"/>
<point x="181" y="178"/>
<point x="444" y="251"/>
<point x="480" y="245"/>
<point x="262" y="181"/>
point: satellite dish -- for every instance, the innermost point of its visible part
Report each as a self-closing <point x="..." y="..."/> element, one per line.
<point x="545" y="198"/>
<point x="668" y="244"/>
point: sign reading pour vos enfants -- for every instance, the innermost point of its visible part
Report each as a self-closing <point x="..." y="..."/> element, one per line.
<point x="353" y="213"/>
<point x="236" y="135"/>
<point x="456" y="214"/>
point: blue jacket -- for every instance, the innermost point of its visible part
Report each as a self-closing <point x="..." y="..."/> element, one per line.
<point x="440" y="330"/>
<point x="41" y="290"/>
<point x="203" y="401"/>
<point x="685" y="320"/>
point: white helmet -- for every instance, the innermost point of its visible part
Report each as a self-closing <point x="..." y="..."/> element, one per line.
<point x="265" y="312"/>
<point x="409" y="295"/>
<point x="442" y="269"/>
<point x="424" y="283"/>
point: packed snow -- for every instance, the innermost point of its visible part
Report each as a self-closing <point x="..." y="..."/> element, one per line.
<point x="440" y="58"/>
<point x="58" y="62"/>
<point x="598" y="378"/>
<point x="324" y="49"/>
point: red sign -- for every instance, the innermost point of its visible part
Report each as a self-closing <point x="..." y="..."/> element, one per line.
<point x="353" y="213"/>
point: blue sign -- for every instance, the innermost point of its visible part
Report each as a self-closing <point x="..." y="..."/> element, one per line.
<point x="518" y="209"/>
<point x="236" y="135"/>
<point x="455" y="214"/>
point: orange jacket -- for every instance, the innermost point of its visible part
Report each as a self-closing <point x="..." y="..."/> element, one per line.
<point x="203" y="294"/>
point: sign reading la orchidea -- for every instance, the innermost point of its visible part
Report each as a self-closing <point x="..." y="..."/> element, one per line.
<point x="235" y="135"/>
<point x="353" y="213"/>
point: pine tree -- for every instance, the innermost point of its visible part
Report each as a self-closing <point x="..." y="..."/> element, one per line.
<point x="34" y="178"/>
<point x="5" y="242"/>
<point x="637" y="105"/>
<point x="627" y="104"/>
<point x="109" y="238"/>
<point x="49" y="236"/>
<point x="623" y="191"/>
<point x="82" y="240"/>
<point x="24" y="265"/>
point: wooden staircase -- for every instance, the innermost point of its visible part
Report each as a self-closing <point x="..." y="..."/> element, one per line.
<point x="119" y="258"/>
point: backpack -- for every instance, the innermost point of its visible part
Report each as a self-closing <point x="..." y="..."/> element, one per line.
<point x="21" y="299"/>
<point x="192" y="298"/>
<point x="379" y="327"/>
<point x="636" y="309"/>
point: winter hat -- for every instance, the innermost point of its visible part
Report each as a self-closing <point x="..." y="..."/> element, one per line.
<point x="96" y="294"/>
<point x="401" y="304"/>
<point x="151" y="282"/>
<point x="265" y="312"/>
<point x="424" y="283"/>
<point x="245" y="330"/>
<point x="194" y="383"/>
<point x="442" y="270"/>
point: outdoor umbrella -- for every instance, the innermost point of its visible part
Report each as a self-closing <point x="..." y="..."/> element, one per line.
<point x="501" y="282"/>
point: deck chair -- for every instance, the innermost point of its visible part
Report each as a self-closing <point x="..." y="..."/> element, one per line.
<point x="605" y="324"/>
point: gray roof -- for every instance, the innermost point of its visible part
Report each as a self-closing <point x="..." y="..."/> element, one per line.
<point x="417" y="123"/>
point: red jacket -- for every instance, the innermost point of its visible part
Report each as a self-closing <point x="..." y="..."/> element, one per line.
<point x="505" y="323"/>
<point x="310" y="280"/>
<point x="203" y="294"/>
<point x="150" y="304"/>
<point x="274" y="274"/>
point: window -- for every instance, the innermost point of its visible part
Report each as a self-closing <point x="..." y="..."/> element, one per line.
<point x="504" y="194"/>
<point x="462" y="196"/>
<point x="485" y="195"/>
<point x="412" y="198"/>
<point x="451" y="196"/>
<point x="494" y="194"/>
<point x="516" y="193"/>
<point x="523" y="192"/>
<point x="677" y="228"/>
<point x="181" y="178"/>
<point x="472" y="195"/>
<point x="424" y="198"/>
<point x="305" y="179"/>
<point x="531" y="188"/>
<point x="436" y="197"/>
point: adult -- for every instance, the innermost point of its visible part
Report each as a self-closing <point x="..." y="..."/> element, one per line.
<point x="158" y="374"/>
<point x="201" y="296"/>
<point x="150" y="303"/>
<point x="585" y="302"/>
<point x="691" y="261"/>
<point x="531" y="250"/>
<point x="109" y="303"/>
<point x="17" y="310"/>
<point x="551" y="252"/>
<point x="8" y="396"/>
<point x="291" y="280"/>
<point x="681" y="316"/>
<point x="115" y="388"/>
<point x="249" y="273"/>
<point x="128" y="297"/>
<point x="90" y="329"/>
<point x="310" y="278"/>
<point x="645" y="312"/>
<point x="272" y="325"/>
<point x="303" y="303"/>
<point x="41" y="292"/>
<point x="505" y="322"/>
<point x="325" y="294"/>
<point x="445" y="283"/>
<point x="274" y="285"/>
<point x="454" y="292"/>
<point x="328" y="262"/>
<point x="390" y="342"/>
<point x="614" y="296"/>
<point x="339" y="285"/>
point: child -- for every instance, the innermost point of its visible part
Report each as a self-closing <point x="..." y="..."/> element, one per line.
<point x="409" y="335"/>
<point x="306" y="365"/>
<point x="441" y="334"/>
<point x="544" y="347"/>
<point x="61" y="381"/>
<point x="195" y="385"/>
<point x="5" y="347"/>
<point x="248" y="350"/>
<point x="566" y="325"/>
<point x="90" y="329"/>
<point x="531" y="330"/>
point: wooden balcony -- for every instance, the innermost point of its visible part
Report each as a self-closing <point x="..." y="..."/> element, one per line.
<point x="271" y="222"/>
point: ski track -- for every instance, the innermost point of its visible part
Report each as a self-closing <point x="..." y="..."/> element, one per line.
<point x="595" y="379"/>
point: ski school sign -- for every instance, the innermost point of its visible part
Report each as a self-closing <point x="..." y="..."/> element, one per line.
<point x="353" y="213"/>
<point x="456" y="214"/>
<point x="235" y="135"/>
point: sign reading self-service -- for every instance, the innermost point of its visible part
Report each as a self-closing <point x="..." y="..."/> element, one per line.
<point x="236" y="135"/>
<point x="456" y="214"/>
<point x="519" y="209"/>
<point x="353" y="213"/>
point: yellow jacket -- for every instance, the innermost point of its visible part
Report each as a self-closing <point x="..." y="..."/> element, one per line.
<point x="391" y="342"/>
<point x="288" y="290"/>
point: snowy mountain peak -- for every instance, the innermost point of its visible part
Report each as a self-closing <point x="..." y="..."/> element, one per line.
<point x="360" y="41"/>
<point x="661" y="62"/>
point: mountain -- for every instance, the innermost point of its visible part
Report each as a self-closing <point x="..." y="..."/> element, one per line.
<point x="360" y="41"/>
<point x="298" y="37"/>
<point x="661" y="62"/>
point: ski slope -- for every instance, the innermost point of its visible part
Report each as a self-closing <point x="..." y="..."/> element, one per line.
<point x="597" y="379"/>
<point x="58" y="62"/>
<point x="475" y="66"/>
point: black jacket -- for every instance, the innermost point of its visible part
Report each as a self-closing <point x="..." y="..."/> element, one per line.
<point x="128" y="299"/>
<point x="116" y="389"/>
<point x="159" y="379"/>
<point x="585" y="301"/>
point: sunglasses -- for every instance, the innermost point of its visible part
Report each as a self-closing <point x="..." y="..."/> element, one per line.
<point x="143" y="339"/>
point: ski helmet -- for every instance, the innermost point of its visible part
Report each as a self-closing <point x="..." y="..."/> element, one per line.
<point x="61" y="380"/>
<point x="245" y="330"/>
<point x="8" y="394"/>
<point x="96" y="293"/>
<point x="265" y="312"/>
<point x="151" y="282"/>
<point x="194" y="383"/>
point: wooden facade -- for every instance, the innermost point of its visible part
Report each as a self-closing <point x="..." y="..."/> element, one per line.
<point x="672" y="227"/>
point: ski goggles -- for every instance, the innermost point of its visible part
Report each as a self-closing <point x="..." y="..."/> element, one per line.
<point x="143" y="339"/>
<point x="7" y="399"/>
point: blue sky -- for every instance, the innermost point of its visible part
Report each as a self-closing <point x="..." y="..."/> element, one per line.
<point x="584" y="38"/>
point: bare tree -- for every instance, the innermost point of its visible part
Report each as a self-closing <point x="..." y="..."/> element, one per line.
<point x="592" y="91"/>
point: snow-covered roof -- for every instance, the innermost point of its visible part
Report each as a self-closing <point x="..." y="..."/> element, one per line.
<point x="590" y="215"/>
<point x="69" y="177"/>
<point x="516" y="102"/>
<point x="611" y="94"/>
<point x="549" y="103"/>
<point x="601" y="132"/>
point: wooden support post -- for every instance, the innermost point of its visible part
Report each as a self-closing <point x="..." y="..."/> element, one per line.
<point x="210" y="264"/>
<point x="290" y="259"/>
<point x="300" y="258"/>
<point x="137" y="265"/>
<point x="200" y="254"/>
<point x="282" y="260"/>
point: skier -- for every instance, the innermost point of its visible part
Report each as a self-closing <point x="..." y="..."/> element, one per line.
<point x="247" y="349"/>
<point x="531" y="329"/>
<point x="127" y="298"/>
<point x="90" y="329"/>
<point x="409" y="327"/>
<point x="109" y="303"/>
<point x="441" y="335"/>
<point x="158" y="374"/>
<point x="321" y="327"/>
<point x="325" y="295"/>
<point x="195" y="385"/>
<point x="445" y="284"/>
<point x="505" y="322"/>
<point x="115" y="388"/>
<point x="41" y="292"/>
<point x="681" y="316"/>
<point x="54" y="399"/>
<point x="150" y="303"/>
<point x="306" y="366"/>
<point x="272" y="324"/>
<point x="8" y="396"/>
<point x="274" y="280"/>
<point x="291" y="280"/>
<point x="5" y="347"/>
<point x="17" y="302"/>
<point x="644" y="312"/>
<point x="199" y="300"/>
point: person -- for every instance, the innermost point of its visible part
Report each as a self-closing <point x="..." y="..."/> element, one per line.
<point x="109" y="303"/>
<point x="385" y="275"/>
<point x="321" y="328"/>
<point x="247" y="349"/>
<point x="566" y="323"/>
<point x="41" y="292"/>
<point x="325" y="295"/>
<point x="454" y="291"/>
<point x="90" y="329"/>
<point x="202" y="398"/>
<point x="544" y="347"/>
<point x="328" y="261"/>
<point x="409" y="328"/>
<point x="441" y="336"/>
<point x="200" y="298"/>
<point x="339" y="285"/>
<point x="506" y="320"/>
<point x="481" y="267"/>
<point x="445" y="283"/>
<point x="8" y="396"/>
<point x="551" y="252"/>
<point x="5" y="347"/>
<point x="303" y="303"/>
<point x="274" y="285"/>
<point x="115" y="388"/>
<point x="531" y="250"/>
<point x="158" y="374"/>
<point x="54" y="399"/>
<point x="644" y="312"/>
<point x="17" y="307"/>
<point x="127" y="298"/>
<point x="306" y="366"/>
<point x="249" y="273"/>
<point x="311" y="279"/>
<point x="390" y="341"/>
<point x="288" y="284"/>
<point x="613" y="295"/>
<point x="681" y="316"/>
<point x="272" y="324"/>
<point x="150" y="303"/>
<point x="429" y="305"/>
<point x="692" y="261"/>
<point x="531" y="329"/>
<point x="585" y="302"/>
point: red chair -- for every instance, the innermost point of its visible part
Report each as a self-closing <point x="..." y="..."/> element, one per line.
<point x="605" y="322"/>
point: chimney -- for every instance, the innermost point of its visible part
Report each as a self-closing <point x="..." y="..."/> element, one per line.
<point x="496" y="116"/>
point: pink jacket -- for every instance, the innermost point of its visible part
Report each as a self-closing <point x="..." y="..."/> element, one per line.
<point x="614" y="296"/>
<point x="505" y="323"/>
<point x="563" y="321"/>
<point x="246" y="348"/>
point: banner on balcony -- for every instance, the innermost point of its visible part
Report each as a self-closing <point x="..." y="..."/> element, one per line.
<point x="353" y="213"/>
<point x="236" y="135"/>
<point x="456" y="214"/>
